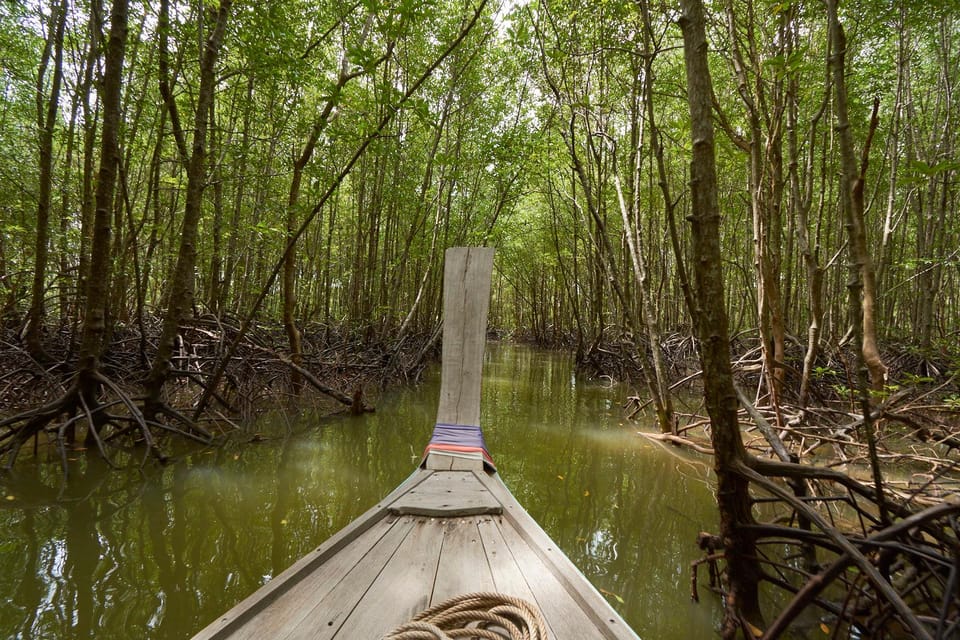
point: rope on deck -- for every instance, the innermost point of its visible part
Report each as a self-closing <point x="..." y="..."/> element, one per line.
<point x="493" y="616"/>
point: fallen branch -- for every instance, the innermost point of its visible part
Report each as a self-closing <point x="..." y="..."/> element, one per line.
<point x="669" y="437"/>
<point x="355" y="402"/>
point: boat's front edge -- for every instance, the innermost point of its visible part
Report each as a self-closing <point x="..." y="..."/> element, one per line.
<point x="230" y="622"/>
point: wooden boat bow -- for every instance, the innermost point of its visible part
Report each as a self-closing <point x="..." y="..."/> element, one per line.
<point x="451" y="528"/>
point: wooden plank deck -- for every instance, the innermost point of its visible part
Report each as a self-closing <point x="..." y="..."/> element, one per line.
<point x="411" y="552"/>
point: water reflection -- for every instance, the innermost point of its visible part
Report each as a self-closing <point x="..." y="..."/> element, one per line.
<point x="624" y="510"/>
<point x="160" y="554"/>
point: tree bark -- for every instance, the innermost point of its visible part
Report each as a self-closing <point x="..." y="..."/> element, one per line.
<point x="217" y="143"/>
<point x="88" y="198"/>
<point x="334" y="186"/>
<point x="293" y="199"/>
<point x="800" y="202"/>
<point x="862" y="284"/>
<point x="763" y="99"/>
<point x="98" y="288"/>
<point x="733" y="498"/>
<point x="46" y="123"/>
<point x="239" y="196"/>
<point x="657" y="379"/>
<point x="591" y="170"/>
<point x="656" y="147"/>
<point x="181" y="289"/>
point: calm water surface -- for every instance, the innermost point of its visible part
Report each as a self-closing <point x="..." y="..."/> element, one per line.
<point x="160" y="553"/>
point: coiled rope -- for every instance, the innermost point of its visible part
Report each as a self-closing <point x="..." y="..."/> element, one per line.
<point x="492" y="616"/>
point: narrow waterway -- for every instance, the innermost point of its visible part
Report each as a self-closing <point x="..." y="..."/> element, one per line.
<point x="160" y="553"/>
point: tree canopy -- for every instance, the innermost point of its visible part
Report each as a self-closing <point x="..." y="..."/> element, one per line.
<point x="484" y="151"/>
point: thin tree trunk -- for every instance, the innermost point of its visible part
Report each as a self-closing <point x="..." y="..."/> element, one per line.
<point x="216" y="251"/>
<point x="656" y="146"/>
<point x="88" y="202"/>
<point x="293" y="198"/>
<point x="181" y="290"/>
<point x="332" y="189"/>
<point x="658" y="377"/>
<point x="46" y="123"/>
<point x="66" y="219"/>
<point x="609" y="267"/>
<point x="239" y="195"/>
<point x="764" y="149"/>
<point x="733" y="496"/>
<point x="894" y="153"/>
<point x="652" y="369"/>
<point x="152" y="207"/>
<point x="863" y="280"/>
<point x="801" y="200"/>
<point x="98" y="288"/>
<point x="940" y="190"/>
<point x="861" y="285"/>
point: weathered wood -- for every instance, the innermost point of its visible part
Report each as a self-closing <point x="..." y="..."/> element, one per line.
<point x="283" y="615"/>
<point x="386" y="568"/>
<point x="320" y="614"/>
<point x="524" y="536"/>
<point x="444" y="461"/>
<point x="567" y="618"/>
<point x="466" y="295"/>
<point x="229" y="623"/>
<point x="463" y="564"/>
<point x="401" y="590"/>
<point x="507" y="577"/>
<point x="447" y="494"/>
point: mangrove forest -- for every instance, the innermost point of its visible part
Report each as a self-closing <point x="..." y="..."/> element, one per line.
<point x="745" y="211"/>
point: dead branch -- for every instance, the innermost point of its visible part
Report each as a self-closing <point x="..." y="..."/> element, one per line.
<point x="669" y="437"/>
<point x="850" y="550"/>
<point x="355" y="403"/>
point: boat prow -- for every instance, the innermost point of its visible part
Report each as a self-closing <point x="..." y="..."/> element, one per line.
<point x="451" y="529"/>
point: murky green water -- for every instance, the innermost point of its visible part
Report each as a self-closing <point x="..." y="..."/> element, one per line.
<point x="159" y="554"/>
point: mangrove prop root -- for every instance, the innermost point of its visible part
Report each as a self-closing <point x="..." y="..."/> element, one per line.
<point x="36" y="400"/>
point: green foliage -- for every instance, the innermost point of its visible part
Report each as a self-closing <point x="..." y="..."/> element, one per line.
<point x="479" y="153"/>
<point x="844" y="392"/>
<point x="914" y="380"/>
<point x="952" y="401"/>
<point x="825" y="373"/>
<point x="918" y="171"/>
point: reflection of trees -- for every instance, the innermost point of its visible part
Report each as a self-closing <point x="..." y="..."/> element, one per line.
<point x="161" y="555"/>
<point x="82" y="553"/>
<point x="73" y="568"/>
<point x="155" y="508"/>
<point x="633" y="535"/>
<point x="29" y="587"/>
<point x="282" y="508"/>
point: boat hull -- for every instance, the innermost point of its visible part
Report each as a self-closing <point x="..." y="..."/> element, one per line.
<point x="441" y="534"/>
